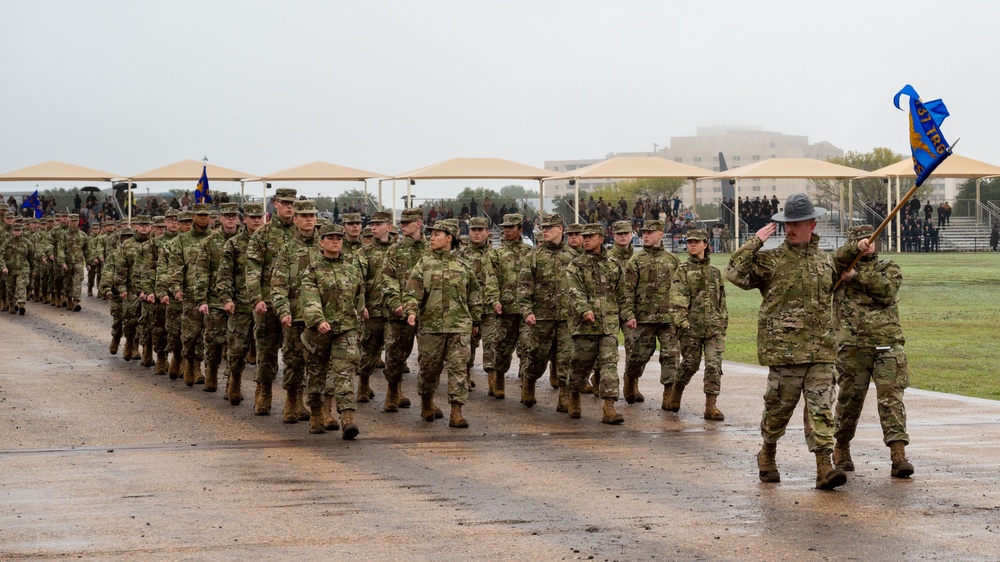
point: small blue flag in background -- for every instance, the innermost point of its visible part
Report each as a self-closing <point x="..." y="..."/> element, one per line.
<point x="33" y="202"/>
<point x="927" y="143"/>
<point x="201" y="191"/>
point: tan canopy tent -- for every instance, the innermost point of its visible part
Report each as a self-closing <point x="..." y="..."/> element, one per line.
<point x="471" y="169"/>
<point x="791" y="168"/>
<point x="631" y="167"/>
<point x="58" y="171"/>
<point x="955" y="166"/>
<point x="187" y="170"/>
<point x="322" y="171"/>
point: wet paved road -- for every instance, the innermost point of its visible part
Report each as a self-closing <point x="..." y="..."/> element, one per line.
<point x="99" y="459"/>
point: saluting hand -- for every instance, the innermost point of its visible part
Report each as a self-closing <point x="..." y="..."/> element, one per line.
<point x="766" y="232"/>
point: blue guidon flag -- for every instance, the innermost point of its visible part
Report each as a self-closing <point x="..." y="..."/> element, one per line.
<point x="33" y="203"/>
<point x="926" y="140"/>
<point x="201" y="190"/>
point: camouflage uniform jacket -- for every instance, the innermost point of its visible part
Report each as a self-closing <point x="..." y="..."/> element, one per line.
<point x="371" y="263"/>
<point x="231" y="283"/>
<point x="158" y="269"/>
<point x="74" y="241"/>
<point x="57" y="250"/>
<point x="16" y="255"/>
<point x="502" y="268"/>
<point x="623" y="255"/>
<point x="541" y="288"/>
<point x="332" y="291"/>
<point x="698" y="298"/>
<point x="475" y="256"/>
<point x="94" y="247"/>
<point x="209" y="262"/>
<point x="183" y="262"/>
<point x="795" y="322"/>
<point x="444" y="294"/>
<point x="403" y="256"/>
<point x="41" y="243"/>
<point x="261" y="252"/>
<point x="147" y="250"/>
<point x="648" y="275"/>
<point x="597" y="284"/>
<point x="286" y="276"/>
<point x="129" y="265"/>
<point x="350" y="249"/>
<point x="866" y="308"/>
<point x="108" y="284"/>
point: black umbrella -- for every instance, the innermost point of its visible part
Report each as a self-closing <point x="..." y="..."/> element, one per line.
<point x="91" y="188"/>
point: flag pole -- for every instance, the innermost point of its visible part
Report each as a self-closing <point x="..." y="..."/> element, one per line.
<point x="888" y="219"/>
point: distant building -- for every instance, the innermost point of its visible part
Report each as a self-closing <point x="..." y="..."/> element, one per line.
<point x="739" y="145"/>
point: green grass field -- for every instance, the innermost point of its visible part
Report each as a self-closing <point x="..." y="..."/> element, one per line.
<point x="950" y="309"/>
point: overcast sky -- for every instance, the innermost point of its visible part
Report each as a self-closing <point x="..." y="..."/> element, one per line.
<point x="389" y="86"/>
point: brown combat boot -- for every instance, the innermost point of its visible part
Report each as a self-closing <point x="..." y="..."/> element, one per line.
<point x="329" y="420"/>
<point x="563" y="405"/>
<point x="638" y="395"/>
<point x="391" y="398"/>
<point x="767" y="465"/>
<point x="113" y="348"/>
<point x="456" y="419"/>
<point x="250" y="358"/>
<point x="427" y="407"/>
<point x="711" y="412"/>
<point x="828" y="477"/>
<point x="553" y="376"/>
<point x="211" y="378"/>
<point x="675" y="397"/>
<point x="175" y="366"/>
<point x="667" y="390"/>
<point x="300" y="405"/>
<point x="262" y="400"/>
<point x="147" y="356"/>
<point x="401" y="400"/>
<point x="288" y="414"/>
<point x="574" y="406"/>
<point x="628" y="389"/>
<point x="528" y="392"/>
<point x="129" y="349"/>
<point x="234" y="391"/>
<point x="610" y="415"/>
<point x="161" y="364"/>
<point x="187" y="371"/>
<point x="364" y="392"/>
<point x="842" y="456"/>
<point x="316" y="421"/>
<point x="77" y="308"/>
<point x="199" y="378"/>
<point x="901" y="467"/>
<point x="595" y="384"/>
<point x="347" y="422"/>
<point x="498" y="386"/>
<point x="491" y="380"/>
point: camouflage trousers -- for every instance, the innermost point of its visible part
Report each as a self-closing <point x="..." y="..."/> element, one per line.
<point x="543" y="340"/>
<point x="399" y="349"/>
<point x="17" y="289"/>
<point x="73" y="281"/>
<point x="500" y="339"/>
<point x="598" y="353"/>
<point x="856" y="368"/>
<point x="692" y="348"/>
<point x="174" y="313"/>
<point x="372" y="342"/>
<point x="437" y="352"/>
<point x="239" y="332"/>
<point x="192" y="330"/>
<point x="216" y="322"/>
<point x="331" y="362"/>
<point x="36" y="277"/>
<point x="785" y="384"/>
<point x="267" y="335"/>
<point x="643" y="343"/>
<point x="157" y="326"/>
<point x="473" y="345"/>
<point x="293" y="353"/>
<point x="93" y="275"/>
<point x="144" y="328"/>
<point x="116" y="317"/>
<point x="131" y="311"/>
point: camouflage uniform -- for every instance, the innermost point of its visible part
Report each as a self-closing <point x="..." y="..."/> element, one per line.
<point x="127" y="280"/>
<point x="15" y="258"/>
<point x="183" y="277"/>
<point x="231" y="285"/>
<point x="871" y="344"/>
<point x="352" y="245"/>
<point x="371" y="262"/>
<point x="40" y="241"/>
<point x="332" y="291"/>
<point x="73" y="257"/>
<point x="290" y="263"/>
<point x="166" y="246"/>
<point x="542" y="292"/>
<point x="206" y="293"/>
<point x="648" y="275"/>
<point x="261" y="253"/>
<point x="109" y="288"/>
<point x="698" y="306"/>
<point x="143" y="284"/>
<point x="95" y="251"/>
<point x="474" y="256"/>
<point x="795" y="338"/>
<point x="444" y="296"/>
<point x="597" y="284"/>
<point x="501" y="331"/>
<point x="401" y="259"/>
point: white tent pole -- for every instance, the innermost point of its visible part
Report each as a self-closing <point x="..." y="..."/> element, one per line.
<point x="263" y="188"/>
<point x="541" y="196"/>
<point x="899" y="221"/>
<point x="979" y="213"/>
<point x="380" y="205"/>
<point x="694" y="194"/>
<point x="842" y="205"/>
<point x="393" y="200"/>
<point x="576" y="191"/>
<point x="736" y="212"/>
<point x="128" y="202"/>
<point x="366" y="197"/>
<point x="409" y="194"/>
<point x="850" y="202"/>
